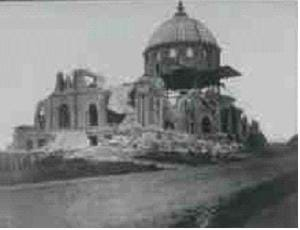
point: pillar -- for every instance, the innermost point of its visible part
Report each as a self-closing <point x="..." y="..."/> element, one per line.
<point x="161" y="112"/>
<point x="229" y="121"/>
<point x="146" y="110"/>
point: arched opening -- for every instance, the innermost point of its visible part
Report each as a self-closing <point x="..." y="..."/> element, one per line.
<point x="203" y="53"/>
<point x="41" y="118"/>
<point x="93" y="140"/>
<point x="172" y="53"/>
<point x="206" y="125"/>
<point x="29" y="144"/>
<point x="157" y="69"/>
<point x="224" y="120"/>
<point x="64" y="120"/>
<point x="189" y="52"/>
<point x="192" y="128"/>
<point x="41" y="142"/>
<point x="158" y="56"/>
<point x="169" y="125"/>
<point x="93" y="115"/>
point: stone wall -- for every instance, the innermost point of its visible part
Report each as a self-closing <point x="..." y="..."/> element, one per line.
<point x="149" y="101"/>
<point x="78" y="104"/>
<point x="73" y="96"/>
<point x="17" y="167"/>
<point x="197" y="114"/>
<point x="28" y="138"/>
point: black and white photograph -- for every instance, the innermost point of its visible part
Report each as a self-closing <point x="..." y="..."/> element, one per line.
<point x="149" y="114"/>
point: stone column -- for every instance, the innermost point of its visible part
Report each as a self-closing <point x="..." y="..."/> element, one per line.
<point x="161" y="112"/>
<point x="142" y="110"/>
<point x="217" y="115"/>
<point x="75" y="111"/>
<point x="146" y="110"/>
<point x="239" y="125"/>
<point x="229" y="121"/>
<point x="138" y="108"/>
<point x="51" y="111"/>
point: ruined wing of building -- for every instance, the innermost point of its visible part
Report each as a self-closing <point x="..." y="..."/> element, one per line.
<point x="180" y="90"/>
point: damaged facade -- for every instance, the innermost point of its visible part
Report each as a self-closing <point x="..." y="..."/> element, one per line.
<point x="180" y="90"/>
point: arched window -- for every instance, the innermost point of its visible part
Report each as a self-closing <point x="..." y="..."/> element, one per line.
<point x="172" y="53"/>
<point x="206" y="125"/>
<point x="93" y="115"/>
<point x="189" y="52"/>
<point x="158" y="56"/>
<point x="204" y="53"/>
<point x="64" y="120"/>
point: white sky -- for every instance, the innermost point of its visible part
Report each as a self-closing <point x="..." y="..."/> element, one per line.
<point x="37" y="39"/>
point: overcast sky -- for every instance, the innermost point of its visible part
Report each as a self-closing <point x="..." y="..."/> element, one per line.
<point x="37" y="39"/>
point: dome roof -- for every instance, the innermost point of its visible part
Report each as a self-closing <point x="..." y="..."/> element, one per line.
<point x="181" y="28"/>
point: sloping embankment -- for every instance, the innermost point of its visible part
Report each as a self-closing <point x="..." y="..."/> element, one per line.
<point x="234" y="210"/>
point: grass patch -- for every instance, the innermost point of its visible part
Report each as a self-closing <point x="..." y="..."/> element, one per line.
<point x="236" y="210"/>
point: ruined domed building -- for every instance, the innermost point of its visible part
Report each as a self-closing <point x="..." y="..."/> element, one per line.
<point x="182" y="65"/>
<point x="180" y="90"/>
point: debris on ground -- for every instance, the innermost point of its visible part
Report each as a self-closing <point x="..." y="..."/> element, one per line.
<point x="67" y="140"/>
<point x="130" y="140"/>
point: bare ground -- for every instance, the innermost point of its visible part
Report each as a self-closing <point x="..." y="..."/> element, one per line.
<point x="153" y="199"/>
<point x="281" y="215"/>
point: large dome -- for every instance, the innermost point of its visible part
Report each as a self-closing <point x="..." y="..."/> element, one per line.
<point x="181" y="28"/>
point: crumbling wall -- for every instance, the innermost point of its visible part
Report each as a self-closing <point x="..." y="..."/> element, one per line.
<point x="40" y="116"/>
<point x="29" y="138"/>
<point x="84" y="78"/>
<point x="67" y="140"/>
<point x="150" y="96"/>
<point x="119" y="103"/>
<point x="191" y="110"/>
<point x="119" y="99"/>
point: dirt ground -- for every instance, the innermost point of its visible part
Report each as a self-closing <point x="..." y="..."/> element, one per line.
<point x="152" y="199"/>
<point x="281" y="215"/>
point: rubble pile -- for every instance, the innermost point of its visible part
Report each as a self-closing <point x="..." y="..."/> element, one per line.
<point x="119" y="99"/>
<point x="140" y="141"/>
<point x="161" y="141"/>
<point x="67" y="140"/>
<point x="130" y="139"/>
